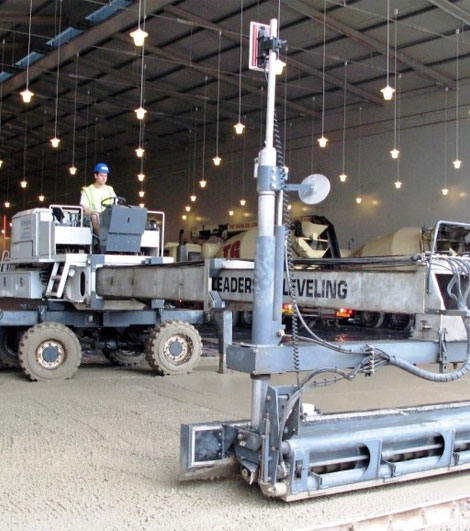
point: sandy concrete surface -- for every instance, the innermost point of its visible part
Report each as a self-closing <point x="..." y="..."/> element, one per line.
<point x="101" y="452"/>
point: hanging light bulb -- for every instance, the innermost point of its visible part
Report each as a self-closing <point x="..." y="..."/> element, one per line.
<point x="55" y="142"/>
<point x="141" y="177"/>
<point x="239" y="128"/>
<point x="139" y="152"/>
<point x="230" y="212"/>
<point x="24" y="183"/>
<point x="193" y="197"/>
<point x="217" y="160"/>
<point x="141" y="193"/>
<point x="289" y="207"/>
<point x="343" y="176"/>
<point x="27" y="95"/>
<point x="1" y="163"/>
<point x="202" y="183"/>
<point x="359" y="200"/>
<point x="41" y="197"/>
<point x="457" y="163"/>
<point x="187" y="208"/>
<point x="445" y="191"/>
<point x="140" y="113"/>
<point x="387" y="92"/>
<point x="72" y="170"/>
<point x="322" y="141"/>
<point x="183" y="217"/>
<point x="139" y="36"/>
<point x="398" y="185"/>
<point x="242" y="202"/>
<point x="7" y="204"/>
<point x="142" y="205"/>
<point x="394" y="152"/>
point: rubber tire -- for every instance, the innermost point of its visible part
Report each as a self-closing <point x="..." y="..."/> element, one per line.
<point x="400" y="321"/>
<point x="155" y="348"/>
<point x="246" y="319"/>
<point x="372" y="319"/>
<point x="8" y="356"/>
<point x="125" y="358"/>
<point x="33" y="338"/>
<point x="235" y="318"/>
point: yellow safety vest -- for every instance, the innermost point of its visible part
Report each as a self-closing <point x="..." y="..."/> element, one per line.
<point x="93" y="197"/>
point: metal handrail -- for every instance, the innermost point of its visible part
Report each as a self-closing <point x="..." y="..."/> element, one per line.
<point x="162" y="232"/>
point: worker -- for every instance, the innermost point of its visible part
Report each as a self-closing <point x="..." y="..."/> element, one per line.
<point x="95" y="194"/>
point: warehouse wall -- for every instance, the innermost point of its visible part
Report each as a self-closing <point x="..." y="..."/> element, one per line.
<point x="368" y="165"/>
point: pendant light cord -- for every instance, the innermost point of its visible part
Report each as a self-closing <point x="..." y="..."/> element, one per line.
<point x="218" y="98"/>
<point x="395" y="102"/>
<point x="29" y="42"/>
<point x="204" y="129"/>
<point x="323" y="76"/>
<point x="74" y="111"/>
<point x="344" y="114"/>
<point x="195" y="148"/>
<point x="58" y="70"/>
<point x="240" y="64"/>
<point x="388" y="43"/>
<point x="457" y="31"/>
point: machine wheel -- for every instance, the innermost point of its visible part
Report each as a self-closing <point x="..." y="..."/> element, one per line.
<point x="235" y="318"/>
<point x="400" y="321"/>
<point x="49" y="351"/>
<point x="246" y="319"/>
<point x="125" y="358"/>
<point x="173" y="347"/>
<point x="9" y="339"/>
<point x="372" y="319"/>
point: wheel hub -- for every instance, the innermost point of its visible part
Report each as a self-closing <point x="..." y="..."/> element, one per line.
<point x="50" y="354"/>
<point x="177" y="349"/>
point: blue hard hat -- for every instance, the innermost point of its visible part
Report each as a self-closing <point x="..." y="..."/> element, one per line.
<point x="101" y="167"/>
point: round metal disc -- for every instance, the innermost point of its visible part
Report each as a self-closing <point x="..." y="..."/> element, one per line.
<point x="320" y="188"/>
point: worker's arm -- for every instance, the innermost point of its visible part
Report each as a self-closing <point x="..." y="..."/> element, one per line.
<point x="84" y="203"/>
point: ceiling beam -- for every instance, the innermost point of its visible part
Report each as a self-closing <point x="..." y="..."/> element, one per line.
<point x="182" y="60"/>
<point x="362" y="38"/>
<point x="166" y="89"/>
<point x="302" y="67"/>
<point x="95" y="35"/>
<point x="9" y="17"/>
<point x="452" y="9"/>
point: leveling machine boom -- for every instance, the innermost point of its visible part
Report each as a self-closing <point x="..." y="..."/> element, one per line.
<point x="291" y="453"/>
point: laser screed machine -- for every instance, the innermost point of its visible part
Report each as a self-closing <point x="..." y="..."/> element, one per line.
<point x="291" y="453"/>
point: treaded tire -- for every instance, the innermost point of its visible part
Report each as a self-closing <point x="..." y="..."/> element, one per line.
<point x="173" y="347"/>
<point x="400" y="321"/>
<point x="246" y="319"/>
<point x="9" y="338"/>
<point x="52" y="337"/>
<point x="372" y="319"/>
<point x="125" y="358"/>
